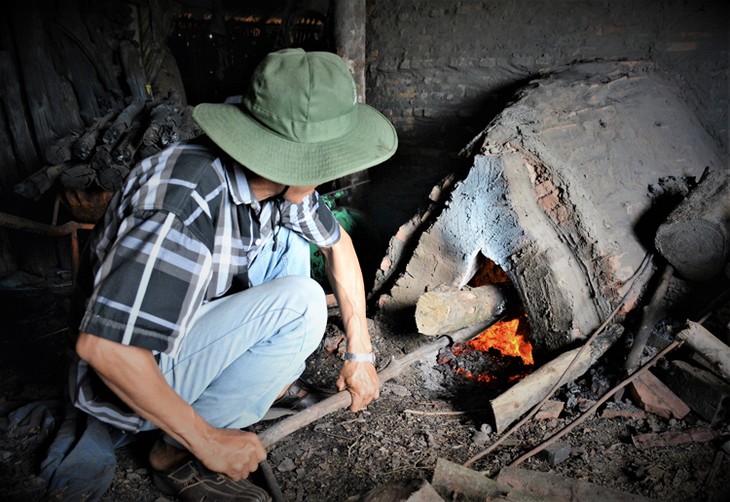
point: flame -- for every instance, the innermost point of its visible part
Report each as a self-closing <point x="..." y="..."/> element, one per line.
<point x="508" y="337"/>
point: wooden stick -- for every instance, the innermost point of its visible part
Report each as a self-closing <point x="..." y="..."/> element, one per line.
<point x="590" y="411"/>
<point x="708" y="346"/>
<point x="649" y="318"/>
<point x="343" y="399"/>
<point x="521" y="397"/>
<point x="645" y="262"/>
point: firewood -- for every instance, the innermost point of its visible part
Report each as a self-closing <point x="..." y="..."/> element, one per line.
<point x="518" y="399"/>
<point x="551" y="486"/>
<point x="112" y="178"/>
<point x="439" y="312"/>
<point x="38" y="183"/>
<point x="78" y="177"/>
<point x="702" y="390"/>
<point x="101" y="159"/>
<point x="165" y="120"/>
<point x="695" y="238"/>
<point x="129" y="144"/>
<point x="673" y="438"/>
<point x="60" y="151"/>
<point x="85" y="144"/>
<point x="708" y="346"/>
<point x="123" y="121"/>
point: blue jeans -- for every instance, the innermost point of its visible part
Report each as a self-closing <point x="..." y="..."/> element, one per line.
<point x="245" y="348"/>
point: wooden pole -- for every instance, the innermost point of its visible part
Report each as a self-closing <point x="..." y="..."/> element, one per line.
<point x="343" y="399"/>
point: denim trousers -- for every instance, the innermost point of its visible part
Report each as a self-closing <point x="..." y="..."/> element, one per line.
<point x="245" y="348"/>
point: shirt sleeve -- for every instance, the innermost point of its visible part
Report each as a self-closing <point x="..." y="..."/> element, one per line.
<point x="150" y="283"/>
<point x="313" y="220"/>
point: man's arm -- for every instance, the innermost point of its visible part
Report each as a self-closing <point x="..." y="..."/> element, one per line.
<point x="133" y="375"/>
<point x="345" y="277"/>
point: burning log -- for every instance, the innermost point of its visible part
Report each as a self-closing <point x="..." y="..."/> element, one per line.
<point x="439" y="312"/>
<point x="123" y="122"/>
<point x="695" y="238"/>
<point x="525" y="394"/>
<point x="708" y="346"/>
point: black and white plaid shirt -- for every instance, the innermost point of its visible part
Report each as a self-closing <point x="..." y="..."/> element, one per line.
<point x="181" y="232"/>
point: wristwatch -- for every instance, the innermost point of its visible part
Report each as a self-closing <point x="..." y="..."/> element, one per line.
<point x="368" y="357"/>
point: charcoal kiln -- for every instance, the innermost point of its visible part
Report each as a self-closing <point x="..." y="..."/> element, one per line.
<point x="565" y="193"/>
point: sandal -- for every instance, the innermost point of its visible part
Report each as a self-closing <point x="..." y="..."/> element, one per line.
<point x="194" y="482"/>
<point x="299" y="396"/>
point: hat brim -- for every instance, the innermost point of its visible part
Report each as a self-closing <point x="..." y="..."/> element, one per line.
<point x="372" y="141"/>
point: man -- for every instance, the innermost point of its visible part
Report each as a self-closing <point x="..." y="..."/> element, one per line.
<point x="200" y="313"/>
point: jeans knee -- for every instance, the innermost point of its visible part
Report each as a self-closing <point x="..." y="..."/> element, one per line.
<point x="308" y="293"/>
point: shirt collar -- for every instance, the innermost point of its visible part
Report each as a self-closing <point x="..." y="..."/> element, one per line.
<point x="238" y="185"/>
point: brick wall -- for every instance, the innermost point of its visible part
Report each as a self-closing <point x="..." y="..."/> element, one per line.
<point x="442" y="69"/>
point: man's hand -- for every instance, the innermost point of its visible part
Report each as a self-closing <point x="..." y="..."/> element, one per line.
<point x="231" y="452"/>
<point x="362" y="381"/>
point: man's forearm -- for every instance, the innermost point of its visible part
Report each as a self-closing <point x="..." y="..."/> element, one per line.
<point x="133" y="375"/>
<point x="345" y="278"/>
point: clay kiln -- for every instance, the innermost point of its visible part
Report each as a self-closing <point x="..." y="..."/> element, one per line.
<point x="563" y="194"/>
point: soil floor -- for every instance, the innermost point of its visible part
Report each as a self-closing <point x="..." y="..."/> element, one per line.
<point x="424" y="414"/>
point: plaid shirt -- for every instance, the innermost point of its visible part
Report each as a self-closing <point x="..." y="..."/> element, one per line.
<point x="181" y="232"/>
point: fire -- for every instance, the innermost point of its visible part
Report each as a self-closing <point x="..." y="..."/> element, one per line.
<point x="508" y="337"/>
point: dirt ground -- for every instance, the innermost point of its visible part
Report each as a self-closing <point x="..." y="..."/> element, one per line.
<point x="425" y="414"/>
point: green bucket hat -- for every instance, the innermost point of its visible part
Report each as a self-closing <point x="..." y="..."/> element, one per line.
<point x="300" y="123"/>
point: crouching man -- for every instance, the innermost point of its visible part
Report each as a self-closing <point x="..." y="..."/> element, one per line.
<point x="198" y="311"/>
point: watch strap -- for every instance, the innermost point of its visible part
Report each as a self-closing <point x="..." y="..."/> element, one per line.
<point x="368" y="357"/>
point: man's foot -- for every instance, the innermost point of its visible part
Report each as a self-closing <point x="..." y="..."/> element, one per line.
<point x="164" y="457"/>
<point x="298" y="396"/>
<point x="194" y="482"/>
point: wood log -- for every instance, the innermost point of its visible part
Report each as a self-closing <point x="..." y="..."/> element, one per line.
<point x="695" y="238"/>
<point x="38" y="183"/>
<point x="85" y="144"/>
<point x="61" y="151"/>
<point x="165" y="119"/>
<point x="112" y="178"/>
<point x="550" y="486"/>
<point x="525" y="394"/>
<point x="101" y="159"/>
<point x="128" y="145"/>
<point x="439" y="312"/>
<point x="123" y="121"/>
<point x="456" y="482"/>
<point x="78" y="177"/>
<point x="343" y="399"/>
<point x="708" y="346"/>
